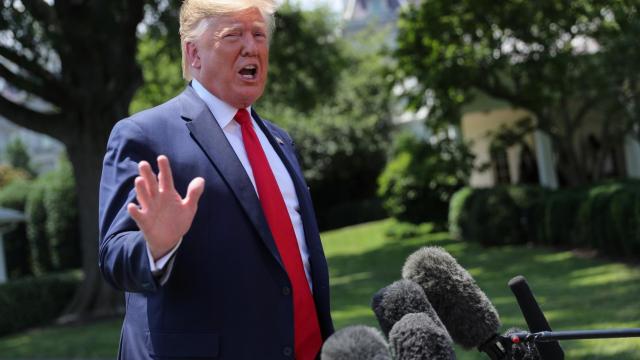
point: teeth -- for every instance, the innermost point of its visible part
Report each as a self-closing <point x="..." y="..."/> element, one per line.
<point x="249" y="72"/>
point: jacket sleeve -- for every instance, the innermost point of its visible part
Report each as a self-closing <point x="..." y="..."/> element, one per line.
<point x="123" y="258"/>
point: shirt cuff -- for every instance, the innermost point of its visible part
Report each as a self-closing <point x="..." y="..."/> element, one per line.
<point x="157" y="267"/>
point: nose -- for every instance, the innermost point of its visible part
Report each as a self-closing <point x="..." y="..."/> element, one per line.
<point x="249" y="45"/>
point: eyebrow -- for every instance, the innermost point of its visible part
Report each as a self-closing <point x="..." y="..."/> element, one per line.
<point x="237" y="25"/>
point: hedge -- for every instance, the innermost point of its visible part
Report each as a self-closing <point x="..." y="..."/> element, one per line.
<point x="497" y="216"/>
<point x="420" y="179"/>
<point x="49" y="240"/>
<point x="16" y="246"/>
<point x="605" y="217"/>
<point x="35" y="300"/>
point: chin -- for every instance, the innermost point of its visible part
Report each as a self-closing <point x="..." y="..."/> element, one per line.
<point x="247" y="98"/>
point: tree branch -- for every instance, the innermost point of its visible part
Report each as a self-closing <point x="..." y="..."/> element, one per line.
<point x="41" y="11"/>
<point x="22" y="116"/>
<point x="589" y="104"/>
<point x="32" y="66"/>
<point x="499" y="91"/>
<point x="31" y="86"/>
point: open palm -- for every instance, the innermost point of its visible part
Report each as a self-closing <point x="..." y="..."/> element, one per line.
<point x="163" y="215"/>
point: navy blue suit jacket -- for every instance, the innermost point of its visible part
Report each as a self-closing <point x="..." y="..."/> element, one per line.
<point x="228" y="295"/>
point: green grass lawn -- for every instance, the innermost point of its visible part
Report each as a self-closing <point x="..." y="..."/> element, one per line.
<point x="576" y="293"/>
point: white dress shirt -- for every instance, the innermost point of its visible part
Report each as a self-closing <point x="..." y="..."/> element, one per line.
<point x="224" y="115"/>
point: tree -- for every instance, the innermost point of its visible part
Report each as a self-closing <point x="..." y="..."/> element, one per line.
<point x="162" y="72"/>
<point x="306" y="61"/>
<point x="18" y="156"/>
<point x="565" y="61"/>
<point x="74" y="64"/>
<point x="419" y="181"/>
<point x="343" y="140"/>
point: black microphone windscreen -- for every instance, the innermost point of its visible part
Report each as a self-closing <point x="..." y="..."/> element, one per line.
<point x="356" y="342"/>
<point x="419" y="337"/>
<point x="464" y="309"/>
<point x="400" y="298"/>
<point x="522" y="351"/>
<point x="533" y="315"/>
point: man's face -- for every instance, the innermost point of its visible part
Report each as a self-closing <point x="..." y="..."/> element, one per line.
<point x="231" y="58"/>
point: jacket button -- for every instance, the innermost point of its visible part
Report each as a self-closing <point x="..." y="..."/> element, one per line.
<point x="287" y="351"/>
<point x="286" y="291"/>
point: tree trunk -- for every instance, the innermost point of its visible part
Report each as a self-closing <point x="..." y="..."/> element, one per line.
<point x="90" y="89"/>
<point x="572" y="170"/>
<point x="94" y="297"/>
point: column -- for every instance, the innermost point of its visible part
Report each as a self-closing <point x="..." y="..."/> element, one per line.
<point x="544" y="156"/>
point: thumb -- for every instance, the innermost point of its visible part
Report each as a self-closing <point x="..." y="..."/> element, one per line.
<point x="194" y="191"/>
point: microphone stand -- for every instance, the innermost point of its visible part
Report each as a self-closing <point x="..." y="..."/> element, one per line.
<point x="546" y="336"/>
<point x="499" y="346"/>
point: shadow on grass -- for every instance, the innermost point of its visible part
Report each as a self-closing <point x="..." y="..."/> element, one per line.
<point x="98" y="340"/>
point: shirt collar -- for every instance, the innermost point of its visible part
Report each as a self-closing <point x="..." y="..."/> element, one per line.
<point x="222" y="112"/>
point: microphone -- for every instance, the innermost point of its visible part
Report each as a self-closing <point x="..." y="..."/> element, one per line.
<point x="356" y="342"/>
<point x="400" y="298"/>
<point x="520" y="350"/>
<point x="533" y="315"/>
<point x="464" y="309"/>
<point x="419" y="337"/>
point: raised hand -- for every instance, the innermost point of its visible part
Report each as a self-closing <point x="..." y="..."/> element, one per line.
<point x="163" y="216"/>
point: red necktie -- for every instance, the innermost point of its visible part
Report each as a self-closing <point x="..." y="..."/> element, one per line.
<point x="306" y="328"/>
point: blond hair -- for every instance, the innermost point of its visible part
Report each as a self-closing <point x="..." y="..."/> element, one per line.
<point x="197" y="15"/>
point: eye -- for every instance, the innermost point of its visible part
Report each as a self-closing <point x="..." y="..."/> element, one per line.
<point x="232" y="35"/>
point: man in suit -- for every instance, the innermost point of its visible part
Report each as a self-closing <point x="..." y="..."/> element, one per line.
<point x="235" y="268"/>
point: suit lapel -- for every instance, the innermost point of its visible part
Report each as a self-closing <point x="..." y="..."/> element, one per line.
<point x="207" y="133"/>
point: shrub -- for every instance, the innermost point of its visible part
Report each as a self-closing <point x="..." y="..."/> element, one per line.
<point x="342" y="156"/>
<point x="530" y="202"/>
<point x="557" y="223"/>
<point x="35" y="301"/>
<point x="14" y="196"/>
<point x="417" y="184"/>
<point x="36" y="233"/>
<point x="52" y="225"/>
<point x="341" y="128"/>
<point x="19" y="157"/>
<point x="352" y="212"/>
<point x="624" y="212"/>
<point x="459" y="213"/>
<point x="496" y="216"/>
<point x="61" y="223"/>
<point x="605" y="217"/>
<point x="9" y="174"/>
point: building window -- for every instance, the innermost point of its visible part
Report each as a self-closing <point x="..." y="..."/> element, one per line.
<point x="500" y="164"/>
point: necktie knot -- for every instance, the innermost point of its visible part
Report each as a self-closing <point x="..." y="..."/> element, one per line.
<point x="242" y="117"/>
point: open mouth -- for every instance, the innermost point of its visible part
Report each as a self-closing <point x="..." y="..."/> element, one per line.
<point x="249" y="72"/>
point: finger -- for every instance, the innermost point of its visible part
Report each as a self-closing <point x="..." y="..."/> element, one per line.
<point x="142" y="193"/>
<point x="194" y="191"/>
<point x="135" y="213"/>
<point x="149" y="177"/>
<point x="165" y="177"/>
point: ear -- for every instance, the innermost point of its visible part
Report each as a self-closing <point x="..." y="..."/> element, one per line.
<point x="193" y="57"/>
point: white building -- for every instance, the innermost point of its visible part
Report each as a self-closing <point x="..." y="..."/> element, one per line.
<point x="484" y="117"/>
